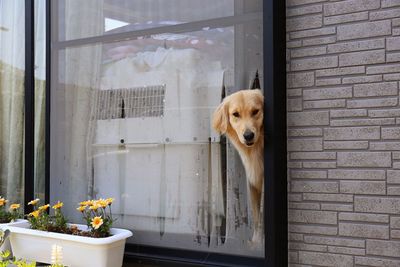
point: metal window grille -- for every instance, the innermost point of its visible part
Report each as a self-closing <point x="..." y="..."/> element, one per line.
<point x="135" y="102"/>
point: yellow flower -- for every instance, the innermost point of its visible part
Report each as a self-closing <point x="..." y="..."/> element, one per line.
<point x="86" y="203"/>
<point x="97" y="222"/>
<point x="94" y="207"/>
<point x="35" y="213"/>
<point x="81" y="208"/>
<point x="14" y="206"/>
<point x="3" y="201"/>
<point x="101" y="202"/>
<point x="109" y="201"/>
<point x="44" y="207"/>
<point x="33" y="202"/>
<point x="58" y="205"/>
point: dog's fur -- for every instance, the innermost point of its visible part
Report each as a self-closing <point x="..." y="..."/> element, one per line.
<point x="239" y="116"/>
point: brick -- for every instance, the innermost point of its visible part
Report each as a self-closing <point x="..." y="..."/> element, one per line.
<point x="302" y="79"/>
<point x="363" y="187"/>
<point x="305" y="132"/>
<point x="363" y="217"/>
<point x="307" y="247"/>
<point x="313" y="216"/>
<point x="362" y="79"/>
<point x="323" y="104"/>
<point x="376" y="89"/>
<point x="296" y="237"/>
<point x="294" y="104"/>
<point x="390" y="3"/>
<point x="385" y="146"/>
<point x="312" y="118"/>
<point x="362" y="58"/>
<point x="309" y="174"/>
<point x="314" y="187"/>
<point x="362" y="122"/>
<point x="314" y="63"/>
<point x="306" y="52"/>
<point x="393" y="176"/>
<point x="313" y="155"/>
<point x="382" y="113"/>
<point x="304" y="206"/>
<point x="396" y="21"/>
<point x="312" y="33"/>
<point x="352" y="133"/>
<point x="370" y="103"/>
<point x="384" y="14"/>
<point x="293" y="44"/>
<point x="393" y="190"/>
<point x="340" y="71"/>
<point x="329" y="81"/>
<point x="350" y="6"/>
<point x="364" y="230"/>
<point x="294" y="92"/>
<point x="387" y="68"/>
<point x="294" y="165"/>
<point x="303" y="23"/>
<point x="291" y="3"/>
<point x="304" y="144"/>
<point x="345" y="145"/>
<point x="319" y="165"/>
<point x="378" y="262"/>
<point x="356" y="174"/>
<point x="327" y="93"/>
<point x="391" y="77"/>
<point x="313" y="229"/>
<point x="344" y="113"/>
<point x="348" y="251"/>
<point x="364" y="159"/>
<point x="383" y="248"/>
<point x="363" y="30"/>
<point x="346" y="18"/>
<point x="319" y="41"/>
<point x="325" y="259"/>
<point x="293" y="256"/>
<point x="395" y="155"/>
<point x="392" y="57"/>
<point x="303" y="10"/>
<point x="395" y="222"/>
<point x="395" y="234"/>
<point x="328" y="197"/>
<point x="380" y="204"/>
<point x="335" y="241"/>
<point x="356" y="46"/>
<point x="337" y="207"/>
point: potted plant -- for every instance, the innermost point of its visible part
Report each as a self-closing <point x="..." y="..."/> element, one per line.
<point x="94" y="244"/>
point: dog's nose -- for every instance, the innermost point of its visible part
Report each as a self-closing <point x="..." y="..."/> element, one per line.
<point x="248" y="135"/>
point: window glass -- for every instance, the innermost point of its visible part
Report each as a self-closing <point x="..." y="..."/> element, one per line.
<point x="132" y="120"/>
<point x="12" y="75"/>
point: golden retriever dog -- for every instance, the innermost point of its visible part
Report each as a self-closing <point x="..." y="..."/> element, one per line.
<point x="240" y="117"/>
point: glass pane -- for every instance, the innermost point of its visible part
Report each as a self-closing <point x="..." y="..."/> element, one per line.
<point x="40" y="99"/>
<point x="132" y="120"/>
<point x="81" y="19"/>
<point x="12" y="75"/>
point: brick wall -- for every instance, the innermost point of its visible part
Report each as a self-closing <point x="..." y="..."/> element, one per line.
<point x="343" y="63"/>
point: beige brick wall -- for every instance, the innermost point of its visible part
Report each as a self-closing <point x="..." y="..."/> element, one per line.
<point x="343" y="61"/>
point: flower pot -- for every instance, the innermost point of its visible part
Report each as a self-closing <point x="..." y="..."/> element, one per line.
<point x="77" y="251"/>
<point x="3" y="226"/>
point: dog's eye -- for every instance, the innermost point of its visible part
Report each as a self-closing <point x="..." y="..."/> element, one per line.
<point x="254" y="112"/>
<point x="236" y="114"/>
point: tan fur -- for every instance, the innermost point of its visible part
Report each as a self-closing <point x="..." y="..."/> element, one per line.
<point x="244" y="103"/>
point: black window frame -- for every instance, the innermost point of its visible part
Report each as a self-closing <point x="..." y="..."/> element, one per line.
<point x="275" y="161"/>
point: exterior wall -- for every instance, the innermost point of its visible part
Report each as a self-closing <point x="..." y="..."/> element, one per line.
<point x="343" y="132"/>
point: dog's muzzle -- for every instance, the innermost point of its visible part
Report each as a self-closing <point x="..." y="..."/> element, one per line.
<point x="248" y="137"/>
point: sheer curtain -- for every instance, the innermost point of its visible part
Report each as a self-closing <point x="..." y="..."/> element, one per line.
<point x="12" y="64"/>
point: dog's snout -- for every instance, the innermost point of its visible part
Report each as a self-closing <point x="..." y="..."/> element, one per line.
<point x="248" y="135"/>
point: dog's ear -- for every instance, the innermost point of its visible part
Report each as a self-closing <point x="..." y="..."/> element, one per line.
<point x="220" y="118"/>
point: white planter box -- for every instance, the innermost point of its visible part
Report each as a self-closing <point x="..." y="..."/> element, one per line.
<point x="78" y="251"/>
<point x="3" y="226"/>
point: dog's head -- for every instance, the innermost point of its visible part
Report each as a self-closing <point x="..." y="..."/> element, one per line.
<point x="241" y="113"/>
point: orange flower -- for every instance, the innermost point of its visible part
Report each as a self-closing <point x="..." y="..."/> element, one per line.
<point x="14" y="207"/>
<point x="3" y="201"/>
<point x="81" y="208"/>
<point x="35" y="213"/>
<point x="96" y="222"/>
<point x="58" y="205"/>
